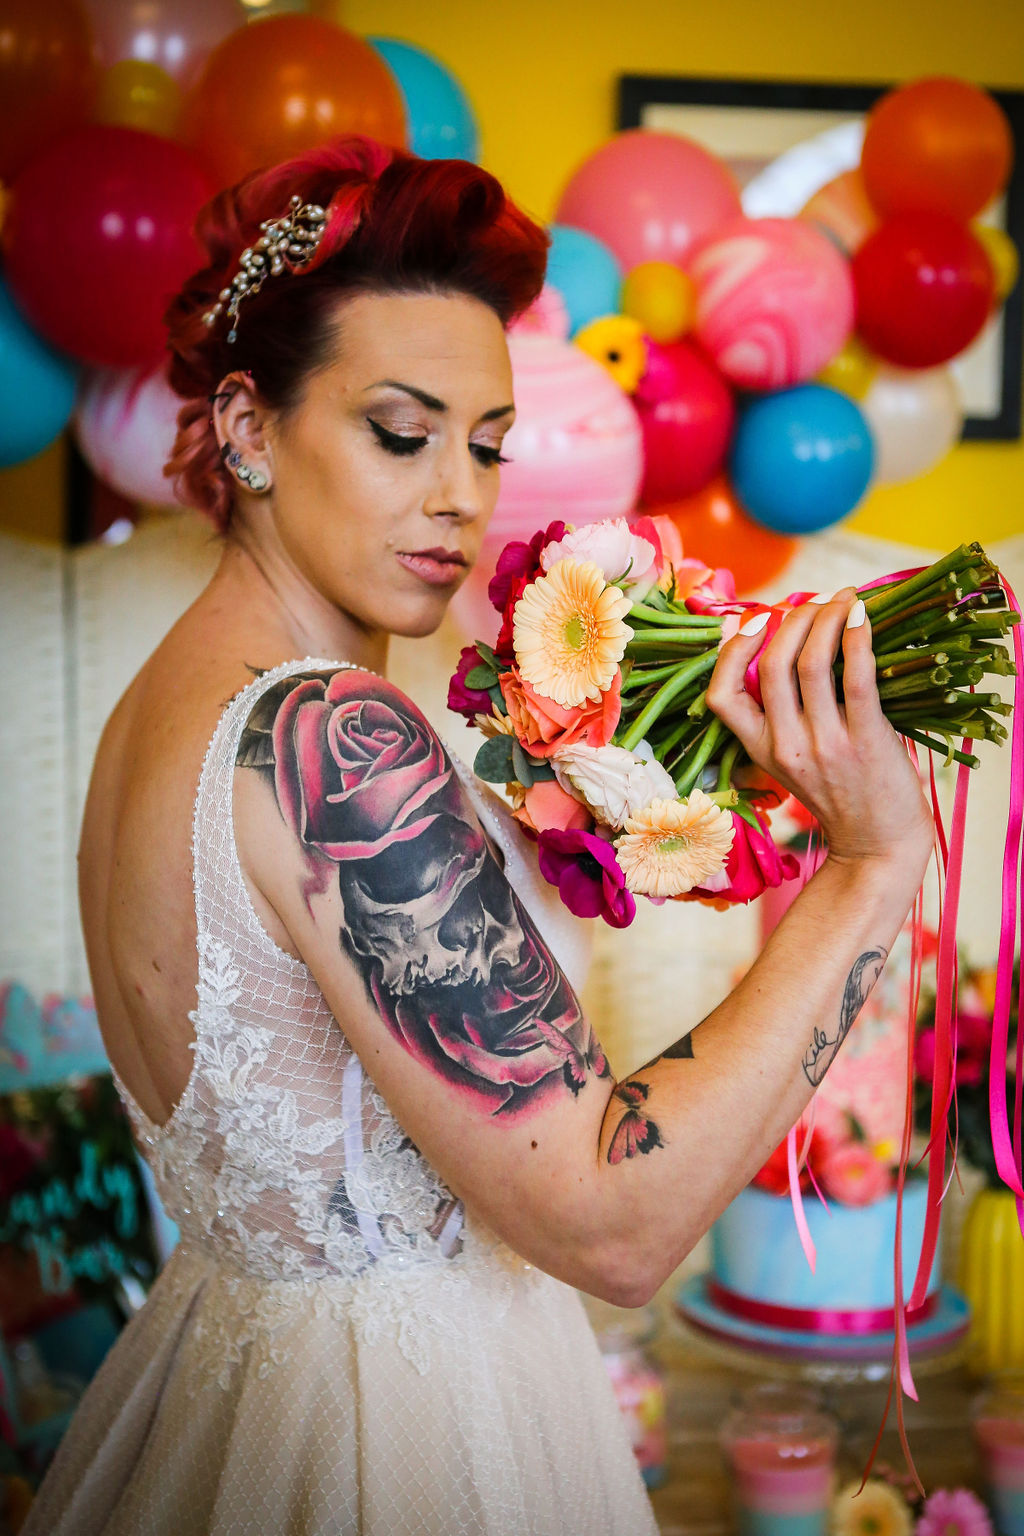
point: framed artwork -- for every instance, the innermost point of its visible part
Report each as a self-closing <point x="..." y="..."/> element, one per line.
<point x="785" y="139"/>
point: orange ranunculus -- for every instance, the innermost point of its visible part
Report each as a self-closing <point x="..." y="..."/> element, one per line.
<point x="546" y="806"/>
<point x="543" y="726"/>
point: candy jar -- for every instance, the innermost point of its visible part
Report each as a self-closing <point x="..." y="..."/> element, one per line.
<point x="997" y="1418"/>
<point x="780" y="1445"/>
<point x="639" y="1388"/>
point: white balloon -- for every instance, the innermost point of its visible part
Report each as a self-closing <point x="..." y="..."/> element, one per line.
<point x="125" y="423"/>
<point x="915" y="416"/>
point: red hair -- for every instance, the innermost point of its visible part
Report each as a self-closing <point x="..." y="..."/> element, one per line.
<point x="396" y="223"/>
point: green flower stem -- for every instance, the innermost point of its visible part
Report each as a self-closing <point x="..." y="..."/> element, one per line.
<point x="665" y="695"/>
<point x="704" y="634"/>
<point x="919" y="686"/>
<point x="687" y="728"/>
<point x="956" y="560"/>
<point x="727" y="764"/>
<point x="673" y="616"/>
<point x="921" y="663"/>
<point x="641" y="676"/>
<point x="712" y="736"/>
<point x="934" y="746"/>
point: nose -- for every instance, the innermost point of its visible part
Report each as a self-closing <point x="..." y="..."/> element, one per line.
<point x="457" y="491"/>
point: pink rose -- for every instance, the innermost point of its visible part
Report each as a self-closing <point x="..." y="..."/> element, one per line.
<point x="544" y="726"/>
<point x="613" y="546"/>
<point x="853" y="1175"/>
<point x="547" y="807"/>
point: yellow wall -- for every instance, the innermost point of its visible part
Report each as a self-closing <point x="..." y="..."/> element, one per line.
<point x="541" y="75"/>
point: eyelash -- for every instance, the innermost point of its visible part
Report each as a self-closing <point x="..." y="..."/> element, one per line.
<point x="395" y="443"/>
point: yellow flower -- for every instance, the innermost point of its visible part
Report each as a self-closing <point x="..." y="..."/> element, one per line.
<point x="568" y="632"/>
<point x="673" y="845"/>
<point x="878" y="1511"/>
<point x="494" y="724"/>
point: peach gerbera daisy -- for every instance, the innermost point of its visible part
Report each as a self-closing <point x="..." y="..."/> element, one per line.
<point x="568" y="632"/>
<point x="673" y="845"/>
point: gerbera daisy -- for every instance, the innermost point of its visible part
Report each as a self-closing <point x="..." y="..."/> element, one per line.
<point x="954" y="1512"/>
<point x="877" y="1511"/>
<point x="568" y="632"/>
<point x="674" y="845"/>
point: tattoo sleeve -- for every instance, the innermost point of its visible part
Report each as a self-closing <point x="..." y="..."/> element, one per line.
<point x="824" y="1047"/>
<point x="447" y="952"/>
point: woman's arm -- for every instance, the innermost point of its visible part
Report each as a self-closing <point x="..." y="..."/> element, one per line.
<point x="353" y="825"/>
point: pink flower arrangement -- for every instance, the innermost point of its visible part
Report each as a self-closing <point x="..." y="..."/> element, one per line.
<point x="954" y="1512"/>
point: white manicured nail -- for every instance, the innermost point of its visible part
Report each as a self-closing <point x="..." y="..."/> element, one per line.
<point x="857" y="615"/>
<point x="821" y="597"/>
<point x="755" y="625"/>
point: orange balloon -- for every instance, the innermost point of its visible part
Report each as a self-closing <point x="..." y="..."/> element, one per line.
<point x="714" y="528"/>
<point x="283" y="85"/>
<point x="48" y="74"/>
<point x="936" y="146"/>
<point x="843" y="209"/>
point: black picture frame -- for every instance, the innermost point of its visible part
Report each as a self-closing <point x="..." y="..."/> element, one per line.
<point x="637" y="93"/>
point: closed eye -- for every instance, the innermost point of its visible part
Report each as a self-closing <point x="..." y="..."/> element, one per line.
<point x="396" y="442"/>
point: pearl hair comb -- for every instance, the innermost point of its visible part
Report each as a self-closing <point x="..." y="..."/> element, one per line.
<point x="287" y="244"/>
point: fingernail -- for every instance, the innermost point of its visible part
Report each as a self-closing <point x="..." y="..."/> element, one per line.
<point x="755" y="625"/>
<point x="821" y="597"/>
<point x="857" y="615"/>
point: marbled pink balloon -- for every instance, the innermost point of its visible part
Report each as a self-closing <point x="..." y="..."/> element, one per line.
<point x="774" y="301"/>
<point x="125" y="422"/>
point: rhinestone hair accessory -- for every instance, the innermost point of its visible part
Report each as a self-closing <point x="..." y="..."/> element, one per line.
<point x="287" y="244"/>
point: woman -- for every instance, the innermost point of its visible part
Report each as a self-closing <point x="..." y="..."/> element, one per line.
<point x="389" y="1159"/>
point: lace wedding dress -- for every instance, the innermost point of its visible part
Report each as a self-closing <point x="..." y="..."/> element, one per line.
<point x="335" y="1345"/>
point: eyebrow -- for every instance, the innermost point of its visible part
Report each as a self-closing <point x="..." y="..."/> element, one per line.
<point x="432" y="402"/>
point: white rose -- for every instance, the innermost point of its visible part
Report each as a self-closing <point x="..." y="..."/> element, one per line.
<point x="615" y="549"/>
<point x="611" y="782"/>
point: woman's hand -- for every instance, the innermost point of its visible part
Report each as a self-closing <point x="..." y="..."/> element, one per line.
<point x="843" y="761"/>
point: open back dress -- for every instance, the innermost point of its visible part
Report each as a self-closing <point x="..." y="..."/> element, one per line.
<point x="335" y="1346"/>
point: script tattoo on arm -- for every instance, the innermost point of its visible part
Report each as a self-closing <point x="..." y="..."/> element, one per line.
<point x="447" y="952"/>
<point x="636" y="1133"/>
<point x="824" y="1047"/>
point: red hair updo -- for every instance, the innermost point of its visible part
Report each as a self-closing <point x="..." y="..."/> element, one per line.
<point x="396" y="223"/>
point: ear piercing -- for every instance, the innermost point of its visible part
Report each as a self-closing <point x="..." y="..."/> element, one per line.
<point x="255" y="479"/>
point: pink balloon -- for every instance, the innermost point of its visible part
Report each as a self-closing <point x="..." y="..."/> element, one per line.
<point x="649" y="196"/>
<point x="774" y="301"/>
<point x="177" y="35"/>
<point x="125" y="421"/>
<point x="576" y="447"/>
<point x="687" y="413"/>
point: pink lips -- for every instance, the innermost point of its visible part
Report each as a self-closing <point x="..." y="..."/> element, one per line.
<point x="438" y="567"/>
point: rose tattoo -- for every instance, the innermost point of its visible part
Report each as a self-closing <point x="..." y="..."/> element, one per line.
<point x="447" y="952"/>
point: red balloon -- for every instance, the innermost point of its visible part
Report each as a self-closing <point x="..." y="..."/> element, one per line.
<point x="48" y="76"/>
<point x="924" y="287"/>
<point x="687" y="414"/>
<point x="714" y="528"/>
<point x="98" y="239"/>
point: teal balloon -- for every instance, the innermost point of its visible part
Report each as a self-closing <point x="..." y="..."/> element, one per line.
<point x="37" y="387"/>
<point x="586" y="274"/>
<point x="440" y="120"/>
<point x="801" y="458"/>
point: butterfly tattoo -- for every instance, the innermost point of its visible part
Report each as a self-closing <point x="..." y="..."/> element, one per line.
<point x="575" y="1063"/>
<point x="635" y="1133"/>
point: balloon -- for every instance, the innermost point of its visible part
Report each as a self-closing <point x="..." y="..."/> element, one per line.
<point x="774" y="301"/>
<point x="284" y="85"/>
<point x="585" y="273"/>
<point x="1003" y="258"/>
<point x="618" y="344"/>
<point x="714" y="528"/>
<point x="843" y="210"/>
<point x="851" y="370"/>
<point x="94" y="269"/>
<point x="649" y="196"/>
<point x="47" y="76"/>
<point x="687" y="414"/>
<point x="924" y="289"/>
<point x="439" y="119"/>
<point x="125" y="423"/>
<point x="176" y="35"/>
<point x="575" y="447"/>
<point x="139" y="95"/>
<point x="802" y="458"/>
<point x="662" y="297"/>
<point x="915" y="418"/>
<point x="936" y="146"/>
<point x="37" y="388"/>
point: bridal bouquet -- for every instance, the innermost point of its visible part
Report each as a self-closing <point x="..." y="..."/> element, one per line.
<point x="593" y="704"/>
